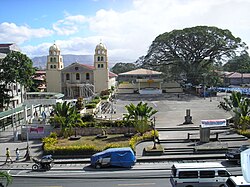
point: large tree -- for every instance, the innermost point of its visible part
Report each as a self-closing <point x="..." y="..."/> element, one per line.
<point x="15" y="68"/>
<point x="190" y="51"/>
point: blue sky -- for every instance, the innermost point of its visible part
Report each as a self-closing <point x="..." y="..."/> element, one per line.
<point x="126" y="27"/>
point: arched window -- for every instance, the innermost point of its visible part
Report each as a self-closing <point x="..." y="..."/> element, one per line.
<point x="67" y="76"/>
<point x="77" y="76"/>
<point x="87" y="76"/>
<point x="55" y="66"/>
<point x="51" y="59"/>
<point x="51" y="66"/>
<point x="101" y="58"/>
<point x="98" y="58"/>
<point x="54" y="59"/>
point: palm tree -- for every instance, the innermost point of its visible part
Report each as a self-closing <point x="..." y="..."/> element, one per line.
<point x="67" y="116"/>
<point x="240" y="106"/>
<point x="141" y="115"/>
<point x="7" y="176"/>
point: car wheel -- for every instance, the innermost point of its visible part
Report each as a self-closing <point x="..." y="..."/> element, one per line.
<point x="222" y="185"/>
<point x="98" y="166"/>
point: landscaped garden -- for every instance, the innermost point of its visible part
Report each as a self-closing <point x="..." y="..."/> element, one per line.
<point x="82" y="136"/>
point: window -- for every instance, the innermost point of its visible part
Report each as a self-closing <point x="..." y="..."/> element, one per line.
<point x="188" y="174"/>
<point x="98" y="65"/>
<point x="77" y="76"/>
<point x="67" y="76"/>
<point x="223" y="173"/>
<point x="55" y="66"/>
<point x="101" y="65"/>
<point x="54" y="59"/>
<point x="98" y="58"/>
<point x="87" y="76"/>
<point x="51" y="59"/>
<point x="51" y="66"/>
<point x="101" y="58"/>
<point x="207" y="174"/>
<point x="76" y="68"/>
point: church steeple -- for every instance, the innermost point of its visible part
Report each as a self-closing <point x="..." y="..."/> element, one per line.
<point x="53" y="70"/>
<point x="54" y="59"/>
<point x="101" y="72"/>
<point x="101" y="56"/>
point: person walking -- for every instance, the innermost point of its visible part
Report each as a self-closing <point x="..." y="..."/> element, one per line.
<point x="17" y="154"/>
<point x="8" y="156"/>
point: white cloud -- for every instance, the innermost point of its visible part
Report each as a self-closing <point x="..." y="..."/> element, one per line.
<point x="69" y="25"/>
<point x="10" y="32"/>
<point x="128" y="34"/>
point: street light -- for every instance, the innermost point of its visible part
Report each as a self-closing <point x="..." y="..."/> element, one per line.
<point x="154" y="147"/>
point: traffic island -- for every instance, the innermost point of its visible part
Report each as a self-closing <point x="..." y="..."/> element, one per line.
<point x="151" y="151"/>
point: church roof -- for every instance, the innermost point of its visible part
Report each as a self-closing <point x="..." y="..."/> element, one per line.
<point x="141" y="72"/>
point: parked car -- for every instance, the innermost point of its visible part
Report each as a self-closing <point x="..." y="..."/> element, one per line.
<point x="122" y="157"/>
<point x="234" y="155"/>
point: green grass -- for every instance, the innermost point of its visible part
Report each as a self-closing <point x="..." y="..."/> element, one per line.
<point x="97" y="142"/>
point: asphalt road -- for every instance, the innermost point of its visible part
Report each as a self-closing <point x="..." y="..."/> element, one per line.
<point x="144" y="174"/>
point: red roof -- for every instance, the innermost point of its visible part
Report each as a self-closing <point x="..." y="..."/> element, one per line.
<point x="111" y="74"/>
<point x="88" y="66"/>
<point x="5" y="45"/>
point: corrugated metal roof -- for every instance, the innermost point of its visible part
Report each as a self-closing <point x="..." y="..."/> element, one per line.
<point x="141" y="72"/>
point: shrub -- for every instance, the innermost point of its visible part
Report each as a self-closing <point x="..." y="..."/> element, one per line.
<point x="90" y="105"/>
<point x="244" y="133"/>
<point x="96" y="101"/>
<point x="105" y="97"/>
<point x="146" y="136"/>
<point x="88" y="118"/>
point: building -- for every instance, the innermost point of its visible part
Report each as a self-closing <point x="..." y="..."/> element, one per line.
<point x="79" y="80"/>
<point x="145" y="81"/>
<point x="237" y="79"/>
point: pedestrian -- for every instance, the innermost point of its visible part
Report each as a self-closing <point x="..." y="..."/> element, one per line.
<point x="8" y="157"/>
<point x="17" y="154"/>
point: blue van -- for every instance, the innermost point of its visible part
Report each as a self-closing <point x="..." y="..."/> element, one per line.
<point x="122" y="157"/>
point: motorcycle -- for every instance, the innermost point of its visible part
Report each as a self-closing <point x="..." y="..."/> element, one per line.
<point x="43" y="164"/>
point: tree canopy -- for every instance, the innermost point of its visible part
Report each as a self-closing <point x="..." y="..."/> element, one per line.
<point x="17" y="67"/>
<point x="190" y="51"/>
<point x="239" y="64"/>
<point x="123" y="67"/>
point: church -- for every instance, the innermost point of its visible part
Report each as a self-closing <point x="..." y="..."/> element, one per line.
<point x="78" y="80"/>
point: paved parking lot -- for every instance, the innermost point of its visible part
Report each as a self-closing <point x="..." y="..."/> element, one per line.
<point x="172" y="108"/>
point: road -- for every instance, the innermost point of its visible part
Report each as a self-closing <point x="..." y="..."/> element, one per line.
<point x="144" y="174"/>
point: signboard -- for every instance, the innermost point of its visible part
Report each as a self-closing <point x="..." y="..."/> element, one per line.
<point x="36" y="130"/>
<point x="213" y="123"/>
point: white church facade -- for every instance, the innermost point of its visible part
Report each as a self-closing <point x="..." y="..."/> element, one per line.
<point x="79" y="80"/>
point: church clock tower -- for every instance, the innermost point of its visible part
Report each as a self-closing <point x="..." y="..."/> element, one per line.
<point x="101" y="71"/>
<point x="53" y="70"/>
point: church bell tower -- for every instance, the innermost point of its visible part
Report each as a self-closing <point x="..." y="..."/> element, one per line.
<point x="101" y="71"/>
<point x="53" y="69"/>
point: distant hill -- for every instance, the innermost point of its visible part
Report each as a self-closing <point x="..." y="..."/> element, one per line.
<point x="41" y="61"/>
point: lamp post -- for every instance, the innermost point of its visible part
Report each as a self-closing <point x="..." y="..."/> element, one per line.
<point x="27" y="155"/>
<point x="154" y="147"/>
